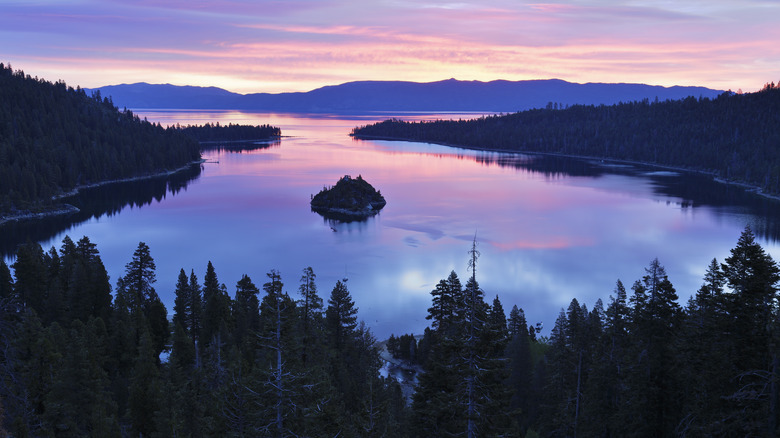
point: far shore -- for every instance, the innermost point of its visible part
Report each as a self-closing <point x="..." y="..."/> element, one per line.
<point x="748" y="187"/>
<point x="66" y="209"/>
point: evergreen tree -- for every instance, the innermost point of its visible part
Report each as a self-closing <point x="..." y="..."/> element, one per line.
<point x="140" y="276"/>
<point x="311" y="312"/>
<point x="706" y="350"/>
<point x="90" y="292"/>
<point x="340" y="316"/>
<point x="655" y="323"/>
<point x="442" y="310"/>
<point x="182" y="302"/>
<point x="216" y="308"/>
<point x="280" y="382"/>
<point x="752" y="275"/>
<point x="6" y="282"/>
<point x="195" y="323"/>
<point x="246" y="313"/>
<point x="78" y="403"/>
<point x="31" y="274"/>
<point x="144" y="388"/>
<point x="340" y="325"/>
<point x="605" y="390"/>
<point x="520" y="366"/>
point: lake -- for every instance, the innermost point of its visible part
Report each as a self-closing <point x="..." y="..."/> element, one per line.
<point x="549" y="229"/>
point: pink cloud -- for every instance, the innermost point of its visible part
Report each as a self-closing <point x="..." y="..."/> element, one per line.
<point x="300" y="45"/>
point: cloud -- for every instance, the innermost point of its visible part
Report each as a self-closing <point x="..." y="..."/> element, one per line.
<point x="274" y="46"/>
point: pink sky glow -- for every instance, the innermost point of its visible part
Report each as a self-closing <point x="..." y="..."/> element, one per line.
<point x="251" y="46"/>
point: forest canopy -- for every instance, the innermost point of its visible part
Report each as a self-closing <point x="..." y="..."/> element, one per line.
<point x="79" y="359"/>
<point x="214" y="132"/>
<point x="734" y="136"/>
<point x="54" y="138"/>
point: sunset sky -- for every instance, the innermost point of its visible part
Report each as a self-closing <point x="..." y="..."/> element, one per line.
<point x="249" y="46"/>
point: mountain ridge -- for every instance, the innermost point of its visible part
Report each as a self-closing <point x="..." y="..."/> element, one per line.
<point x="376" y="96"/>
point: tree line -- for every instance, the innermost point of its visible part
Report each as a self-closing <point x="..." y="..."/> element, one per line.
<point x="80" y="359"/>
<point x="214" y="132"/>
<point x="642" y="365"/>
<point x="733" y="136"/>
<point x="54" y="138"/>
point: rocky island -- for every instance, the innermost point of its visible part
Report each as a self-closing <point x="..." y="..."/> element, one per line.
<point x="349" y="200"/>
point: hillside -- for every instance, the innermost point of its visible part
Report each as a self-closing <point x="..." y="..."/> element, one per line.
<point x="734" y="136"/>
<point x="54" y="139"/>
<point x="373" y="96"/>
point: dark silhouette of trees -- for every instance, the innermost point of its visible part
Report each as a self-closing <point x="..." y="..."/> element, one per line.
<point x="54" y="139"/>
<point x="643" y="366"/>
<point x="733" y="137"/>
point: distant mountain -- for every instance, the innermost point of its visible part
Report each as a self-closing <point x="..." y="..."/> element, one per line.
<point x="394" y="96"/>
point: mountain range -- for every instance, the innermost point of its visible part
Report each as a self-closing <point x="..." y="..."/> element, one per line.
<point x="395" y="96"/>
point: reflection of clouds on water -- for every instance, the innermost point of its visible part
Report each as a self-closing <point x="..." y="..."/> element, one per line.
<point x="412" y="241"/>
<point x="428" y="228"/>
<point x="549" y="229"/>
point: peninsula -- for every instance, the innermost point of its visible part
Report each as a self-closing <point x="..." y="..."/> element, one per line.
<point x="350" y="199"/>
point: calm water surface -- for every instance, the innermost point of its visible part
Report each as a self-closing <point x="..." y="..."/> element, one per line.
<point x="548" y="229"/>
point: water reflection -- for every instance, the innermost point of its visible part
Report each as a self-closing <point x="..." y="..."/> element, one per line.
<point x="96" y="202"/>
<point x="683" y="189"/>
<point x="549" y="228"/>
<point x="240" y="146"/>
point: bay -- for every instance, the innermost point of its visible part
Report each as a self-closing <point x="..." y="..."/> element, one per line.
<point x="549" y="229"/>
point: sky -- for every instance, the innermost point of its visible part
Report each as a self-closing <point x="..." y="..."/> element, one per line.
<point x="251" y="46"/>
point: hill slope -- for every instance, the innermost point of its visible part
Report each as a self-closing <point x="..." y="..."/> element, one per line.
<point x="736" y="137"/>
<point x="54" y="138"/>
<point x="370" y="96"/>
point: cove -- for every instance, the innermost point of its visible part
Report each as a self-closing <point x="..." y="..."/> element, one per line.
<point x="549" y="229"/>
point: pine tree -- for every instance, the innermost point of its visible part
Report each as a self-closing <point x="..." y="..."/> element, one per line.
<point x="140" y="276"/>
<point x="442" y="310"/>
<point x="30" y="272"/>
<point x="340" y="316"/>
<point x="473" y="321"/>
<point x="280" y="373"/>
<point x="706" y="350"/>
<point x="246" y="310"/>
<point x="340" y="326"/>
<point x="216" y="308"/>
<point x="311" y="313"/>
<point x="605" y="390"/>
<point x="78" y="403"/>
<point x="655" y="324"/>
<point x="144" y="388"/>
<point x="520" y="365"/>
<point x="182" y="302"/>
<point x="752" y="275"/>
<point x="195" y="323"/>
<point x="6" y="282"/>
<point x="91" y="290"/>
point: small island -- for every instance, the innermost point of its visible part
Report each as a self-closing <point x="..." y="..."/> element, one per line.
<point x="349" y="200"/>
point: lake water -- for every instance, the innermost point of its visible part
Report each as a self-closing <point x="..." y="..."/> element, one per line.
<point x="548" y="229"/>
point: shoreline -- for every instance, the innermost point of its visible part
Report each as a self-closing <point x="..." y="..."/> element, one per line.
<point x="66" y="209"/>
<point x="746" y="186"/>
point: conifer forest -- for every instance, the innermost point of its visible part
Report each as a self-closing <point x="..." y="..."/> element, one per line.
<point x="80" y="356"/>
<point x="733" y="137"/>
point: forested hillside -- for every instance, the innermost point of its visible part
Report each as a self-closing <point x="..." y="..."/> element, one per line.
<point x="210" y="133"/>
<point x="54" y="138"/>
<point x="260" y="361"/>
<point x="733" y="136"/>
